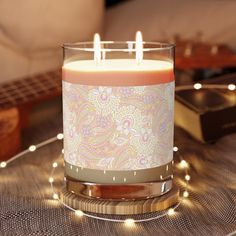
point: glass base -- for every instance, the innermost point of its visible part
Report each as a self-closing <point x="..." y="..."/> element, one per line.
<point x="118" y="192"/>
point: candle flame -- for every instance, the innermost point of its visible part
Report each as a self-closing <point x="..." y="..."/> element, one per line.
<point x="139" y="47"/>
<point x="97" y="48"/>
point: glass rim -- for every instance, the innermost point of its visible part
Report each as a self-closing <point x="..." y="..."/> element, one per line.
<point x="88" y="46"/>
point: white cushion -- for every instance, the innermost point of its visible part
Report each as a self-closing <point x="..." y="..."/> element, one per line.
<point x="161" y="20"/>
<point x="32" y="32"/>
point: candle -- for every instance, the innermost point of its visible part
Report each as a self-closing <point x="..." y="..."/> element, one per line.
<point x="118" y="121"/>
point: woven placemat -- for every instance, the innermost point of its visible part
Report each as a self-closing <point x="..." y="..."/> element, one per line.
<point x="27" y="207"/>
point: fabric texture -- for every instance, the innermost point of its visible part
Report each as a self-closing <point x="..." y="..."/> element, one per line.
<point x="32" y="32"/>
<point x="27" y="207"/>
<point x="211" y="21"/>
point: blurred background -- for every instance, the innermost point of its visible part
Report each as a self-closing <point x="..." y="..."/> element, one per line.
<point x="32" y="32"/>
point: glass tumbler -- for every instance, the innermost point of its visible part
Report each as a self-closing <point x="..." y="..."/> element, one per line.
<point x="118" y="119"/>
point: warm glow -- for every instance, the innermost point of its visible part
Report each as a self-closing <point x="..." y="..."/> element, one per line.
<point x="62" y="151"/>
<point x="197" y="86"/>
<point x="139" y="47"/>
<point x="55" y="196"/>
<point x="60" y="136"/>
<point x="175" y="149"/>
<point x="187" y="177"/>
<point x="32" y="148"/>
<point x="129" y="222"/>
<point x="171" y="212"/>
<point x="183" y="164"/>
<point x="79" y="213"/>
<point x="3" y="164"/>
<point x="51" y="180"/>
<point x="54" y="165"/>
<point x="118" y="65"/>
<point x="231" y="87"/>
<point x="185" y="194"/>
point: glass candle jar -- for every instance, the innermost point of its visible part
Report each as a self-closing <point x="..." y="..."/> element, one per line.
<point x="118" y="119"/>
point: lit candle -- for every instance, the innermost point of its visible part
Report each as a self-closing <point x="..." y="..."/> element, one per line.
<point x="118" y="117"/>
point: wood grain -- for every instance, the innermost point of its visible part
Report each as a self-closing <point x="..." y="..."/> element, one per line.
<point x="121" y="207"/>
<point x="9" y="133"/>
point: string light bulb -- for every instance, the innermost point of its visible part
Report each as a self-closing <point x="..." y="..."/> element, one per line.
<point x="3" y="164"/>
<point x="129" y="222"/>
<point x="51" y="180"/>
<point x="32" y="148"/>
<point x="79" y="213"/>
<point x="231" y="87"/>
<point x="55" y="196"/>
<point x="185" y="194"/>
<point x="175" y="149"/>
<point x="54" y="165"/>
<point x="171" y="212"/>
<point x="60" y="136"/>
<point x="183" y="164"/>
<point x="197" y="86"/>
<point x="187" y="177"/>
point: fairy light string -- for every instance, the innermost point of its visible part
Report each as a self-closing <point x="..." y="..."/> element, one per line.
<point x="182" y="164"/>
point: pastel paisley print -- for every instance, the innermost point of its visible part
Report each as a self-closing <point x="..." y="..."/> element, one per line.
<point x="118" y="128"/>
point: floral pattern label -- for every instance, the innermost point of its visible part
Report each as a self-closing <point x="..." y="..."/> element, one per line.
<point x="118" y="128"/>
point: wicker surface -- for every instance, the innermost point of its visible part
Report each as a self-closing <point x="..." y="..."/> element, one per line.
<point x="27" y="207"/>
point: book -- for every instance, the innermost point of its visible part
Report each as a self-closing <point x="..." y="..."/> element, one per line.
<point x="207" y="114"/>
